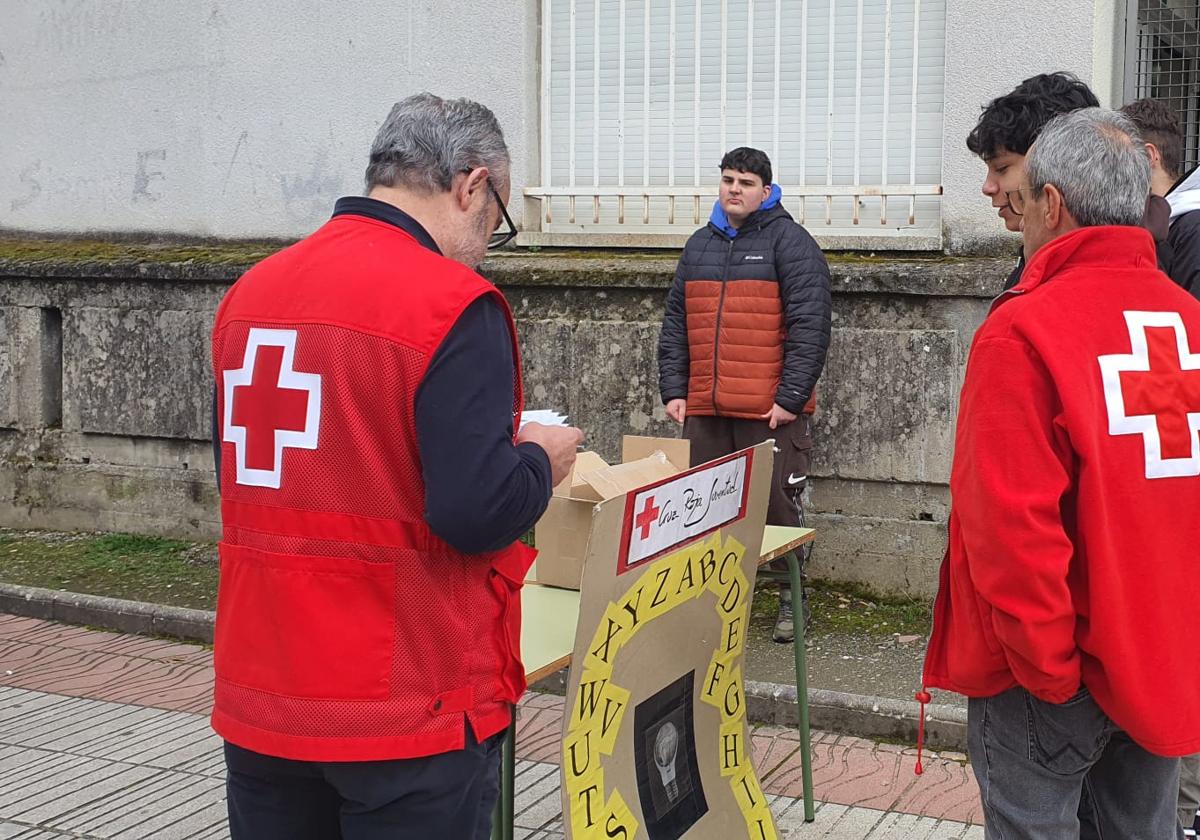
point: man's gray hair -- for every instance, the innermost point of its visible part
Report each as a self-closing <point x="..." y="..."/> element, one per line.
<point x="1098" y="162"/>
<point x="426" y="140"/>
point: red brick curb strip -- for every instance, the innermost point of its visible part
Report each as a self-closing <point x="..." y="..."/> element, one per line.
<point x="831" y="711"/>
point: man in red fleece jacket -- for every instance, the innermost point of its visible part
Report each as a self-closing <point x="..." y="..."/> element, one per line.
<point x="1073" y="535"/>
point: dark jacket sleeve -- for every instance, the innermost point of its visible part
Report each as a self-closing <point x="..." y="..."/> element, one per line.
<point x="1184" y="239"/>
<point x="482" y="492"/>
<point x="216" y="440"/>
<point x="673" y="356"/>
<point x="807" y="312"/>
<point x="1014" y="276"/>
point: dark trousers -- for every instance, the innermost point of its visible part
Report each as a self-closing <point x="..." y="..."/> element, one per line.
<point x="1052" y="772"/>
<point x="715" y="437"/>
<point x="443" y="797"/>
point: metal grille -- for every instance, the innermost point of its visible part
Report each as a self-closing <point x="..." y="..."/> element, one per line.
<point x="641" y="98"/>
<point x="1167" y="67"/>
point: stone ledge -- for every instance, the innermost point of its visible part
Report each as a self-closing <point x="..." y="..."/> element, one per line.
<point x="935" y="276"/>
<point x="108" y="613"/>
<point x="856" y="714"/>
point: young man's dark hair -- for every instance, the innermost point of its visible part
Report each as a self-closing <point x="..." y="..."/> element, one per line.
<point x="1007" y="128"/>
<point x="745" y="159"/>
<point x="1158" y="124"/>
<point x="1013" y="121"/>
<point x="1174" y="206"/>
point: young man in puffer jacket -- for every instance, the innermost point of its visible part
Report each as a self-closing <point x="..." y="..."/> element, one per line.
<point x="745" y="335"/>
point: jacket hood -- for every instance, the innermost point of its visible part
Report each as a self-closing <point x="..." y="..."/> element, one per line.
<point x="1184" y="197"/>
<point x="720" y="221"/>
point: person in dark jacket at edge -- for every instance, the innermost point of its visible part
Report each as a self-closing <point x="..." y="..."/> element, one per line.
<point x="1007" y="128"/>
<point x="1174" y="217"/>
<point x="1177" y="205"/>
<point x="744" y="338"/>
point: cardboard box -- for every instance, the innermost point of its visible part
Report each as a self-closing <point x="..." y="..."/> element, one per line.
<point x="561" y="535"/>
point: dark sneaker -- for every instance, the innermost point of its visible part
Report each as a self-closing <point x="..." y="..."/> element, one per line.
<point x="785" y="630"/>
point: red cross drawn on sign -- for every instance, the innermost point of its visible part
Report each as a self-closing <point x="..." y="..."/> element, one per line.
<point x="1155" y="392"/>
<point x="646" y="519"/>
<point x="269" y="406"/>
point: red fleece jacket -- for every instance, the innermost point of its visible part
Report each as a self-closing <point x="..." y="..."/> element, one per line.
<point x="1074" y="551"/>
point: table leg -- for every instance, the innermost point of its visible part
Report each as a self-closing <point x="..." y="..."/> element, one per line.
<point x="504" y="813"/>
<point x="801" y="685"/>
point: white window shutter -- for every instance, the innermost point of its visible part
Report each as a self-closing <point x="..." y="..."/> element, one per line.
<point x="628" y="116"/>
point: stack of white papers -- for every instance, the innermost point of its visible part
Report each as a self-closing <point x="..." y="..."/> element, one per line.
<point x="544" y="416"/>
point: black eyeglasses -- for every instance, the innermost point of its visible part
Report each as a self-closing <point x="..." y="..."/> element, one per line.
<point x="502" y="238"/>
<point x="1016" y="201"/>
<point x="498" y="240"/>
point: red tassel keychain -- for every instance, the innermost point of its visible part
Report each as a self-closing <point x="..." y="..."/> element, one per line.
<point x="921" y="697"/>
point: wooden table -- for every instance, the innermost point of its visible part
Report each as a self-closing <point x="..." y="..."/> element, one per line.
<point x="549" y="618"/>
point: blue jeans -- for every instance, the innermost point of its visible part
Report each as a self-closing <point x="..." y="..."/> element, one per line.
<point x="1036" y="762"/>
<point x="449" y="796"/>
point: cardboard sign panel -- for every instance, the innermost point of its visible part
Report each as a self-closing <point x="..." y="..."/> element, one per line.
<point x="668" y="514"/>
<point x="654" y="735"/>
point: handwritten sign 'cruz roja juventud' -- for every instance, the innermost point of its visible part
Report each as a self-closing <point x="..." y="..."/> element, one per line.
<point x="654" y="736"/>
<point x="687" y="507"/>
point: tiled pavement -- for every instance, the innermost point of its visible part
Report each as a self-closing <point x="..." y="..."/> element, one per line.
<point x="105" y="736"/>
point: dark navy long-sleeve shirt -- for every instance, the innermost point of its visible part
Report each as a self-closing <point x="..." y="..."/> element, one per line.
<point x="482" y="492"/>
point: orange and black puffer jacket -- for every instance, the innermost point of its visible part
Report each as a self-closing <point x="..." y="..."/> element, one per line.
<point x="747" y="318"/>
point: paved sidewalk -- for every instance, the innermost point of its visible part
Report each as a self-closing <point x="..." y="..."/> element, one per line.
<point x="106" y="736"/>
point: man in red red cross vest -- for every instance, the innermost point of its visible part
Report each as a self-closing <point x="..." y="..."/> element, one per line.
<point x="1074" y="532"/>
<point x="374" y="488"/>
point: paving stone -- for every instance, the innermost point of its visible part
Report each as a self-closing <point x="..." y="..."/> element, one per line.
<point x="540" y="804"/>
<point x="72" y="733"/>
<point x="21" y="768"/>
<point x="89" y="767"/>
<point x="208" y="821"/>
<point x="196" y="738"/>
<point x="853" y="822"/>
<point x="22" y="832"/>
<point x="147" y="809"/>
<point x="78" y="786"/>
<point x="894" y="826"/>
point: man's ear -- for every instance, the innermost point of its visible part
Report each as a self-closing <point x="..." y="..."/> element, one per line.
<point x="467" y="186"/>
<point x="1055" y="208"/>
<point x="1155" y="155"/>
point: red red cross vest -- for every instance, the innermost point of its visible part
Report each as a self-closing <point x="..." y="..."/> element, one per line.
<point x="347" y="630"/>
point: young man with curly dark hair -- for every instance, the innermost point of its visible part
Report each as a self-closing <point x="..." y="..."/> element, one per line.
<point x="1007" y="128"/>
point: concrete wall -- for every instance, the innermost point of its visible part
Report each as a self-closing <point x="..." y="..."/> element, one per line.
<point x="212" y="118"/>
<point x="247" y="119"/>
<point x="105" y="391"/>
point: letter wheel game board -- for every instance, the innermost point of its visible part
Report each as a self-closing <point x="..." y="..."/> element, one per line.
<point x="654" y="735"/>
